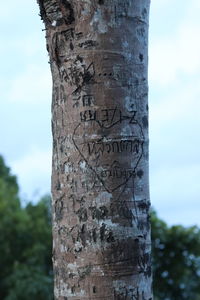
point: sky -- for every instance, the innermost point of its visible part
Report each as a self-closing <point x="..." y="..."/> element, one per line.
<point x="174" y="101"/>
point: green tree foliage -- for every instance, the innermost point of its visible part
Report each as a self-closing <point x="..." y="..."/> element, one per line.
<point x="25" y="244"/>
<point x="176" y="261"/>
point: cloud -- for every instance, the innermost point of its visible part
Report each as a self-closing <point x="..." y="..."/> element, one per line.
<point x="174" y="154"/>
<point x="11" y="11"/>
<point x="33" y="171"/>
<point x="160" y="4"/>
<point x="175" y="56"/>
<point x="177" y="53"/>
<point x="175" y="193"/>
<point x="177" y="104"/>
<point x="174" y="128"/>
<point x="33" y="85"/>
<point x="30" y="47"/>
<point x="174" y="74"/>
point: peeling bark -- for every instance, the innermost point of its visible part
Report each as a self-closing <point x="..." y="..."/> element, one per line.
<point x="101" y="233"/>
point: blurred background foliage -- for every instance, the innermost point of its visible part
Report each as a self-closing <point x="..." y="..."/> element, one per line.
<point x="25" y="244"/>
<point x="175" y="260"/>
<point x="25" y="250"/>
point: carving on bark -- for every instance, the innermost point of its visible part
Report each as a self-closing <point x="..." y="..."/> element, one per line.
<point x="103" y="154"/>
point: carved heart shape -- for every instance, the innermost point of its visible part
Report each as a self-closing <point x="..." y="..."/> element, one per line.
<point x="111" y="153"/>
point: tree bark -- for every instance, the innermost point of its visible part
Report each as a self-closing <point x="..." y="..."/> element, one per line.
<point x="101" y="233"/>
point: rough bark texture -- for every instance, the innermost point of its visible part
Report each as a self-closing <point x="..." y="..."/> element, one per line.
<point x="98" y="57"/>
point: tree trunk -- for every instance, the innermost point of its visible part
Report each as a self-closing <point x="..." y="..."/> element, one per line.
<point x="101" y="232"/>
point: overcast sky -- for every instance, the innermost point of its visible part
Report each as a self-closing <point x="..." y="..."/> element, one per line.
<point x="174" y="100"/>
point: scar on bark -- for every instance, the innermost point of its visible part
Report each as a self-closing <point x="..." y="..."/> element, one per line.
<point x="67" y="11"/>
<point x="60" y="11"/>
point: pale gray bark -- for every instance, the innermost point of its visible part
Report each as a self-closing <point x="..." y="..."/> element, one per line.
<point x="101" y="232"/>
